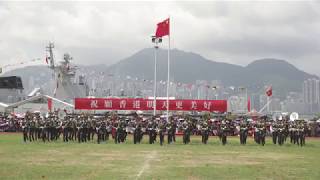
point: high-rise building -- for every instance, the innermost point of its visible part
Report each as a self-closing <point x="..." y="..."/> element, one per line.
<point x="294" y="103"/>
<point x="311" y="94"/>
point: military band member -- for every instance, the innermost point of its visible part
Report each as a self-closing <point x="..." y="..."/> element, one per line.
<point x="162" y="131"/>
<point x="274" y="132"/>
<point x="24" y="126"/>
<point x="151" y="129"/>
<point x="186" y="132"/>
<point x="243" y="133"/>
<point x="78" y="128"/>
<point x="170" y="131"/>
<point x="204" y="132"/>
<point x="224" y="129"/>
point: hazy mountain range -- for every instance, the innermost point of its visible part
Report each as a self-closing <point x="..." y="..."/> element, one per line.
<point x="186" y="67"/>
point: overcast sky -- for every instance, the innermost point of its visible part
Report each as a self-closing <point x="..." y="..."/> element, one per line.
<point x="106" y="32"/>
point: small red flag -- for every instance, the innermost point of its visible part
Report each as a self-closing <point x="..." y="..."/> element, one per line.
<point x="269" y="91"/>
<point x="49" y="104"/>
<point x="47" y="59"/>
<point x="163" y="28"/>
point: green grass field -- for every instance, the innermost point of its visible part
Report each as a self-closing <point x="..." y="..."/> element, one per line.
<point x="58" y="160"/>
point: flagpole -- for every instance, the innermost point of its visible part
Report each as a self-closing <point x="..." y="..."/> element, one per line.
<point x="252" y="100"/>
<point x="155" y="79"/>
<point x="247" y="98"/>
<point x="268" y="108"/>
<point x="168" y="82"/>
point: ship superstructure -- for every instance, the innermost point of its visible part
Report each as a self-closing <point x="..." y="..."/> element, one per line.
<point x="68" y="84"/>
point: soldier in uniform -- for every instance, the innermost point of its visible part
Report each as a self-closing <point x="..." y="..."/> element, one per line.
<point x="93" y="128"/>
<point x="52" y="128"/>
<point x="152" y="132"/>
<point x="120" y="133"/>
<point x="261" y="133"/>
<point x="224" y="129"/>
<point x="37" y="129"/>
<point x="69" y="129"/>
<point x="65" y="130"/>
<point x="108" y="128"/>
<point x="47" y="129"/>
<point x="301" y="134"/>
<point x="101" y="129"/>
<point x="281" y="133"/>
<point x="204" y="132"/>
<point x="186" y="132"/>
<point x="292" y="132"/>
<point x="73" y="134"/>
<point x="115" y="134"/>
<point x="42" y="130"/>
<point x="274" y="132"/>
<point x="88" y="133"/>
<point x="79" y="131"/>
<point x="137" y="133"/>
<point x="32" y="129"/>
<point x="24" y="127"/>
<point x="84" y="130"/>
<point x="174" y="128"/>
<point x="243" y="133"/>
<point x="170" y="132"/>
<point x="162" y="131"/>
<point x="57" y="129"/>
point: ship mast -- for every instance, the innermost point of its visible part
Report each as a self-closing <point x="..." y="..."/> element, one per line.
<point x="49" y="49"/>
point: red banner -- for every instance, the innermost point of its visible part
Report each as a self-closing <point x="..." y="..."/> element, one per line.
<point x="147" y="104"/>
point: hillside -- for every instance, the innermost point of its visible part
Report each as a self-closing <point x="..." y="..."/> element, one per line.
<point x="186" y="67"/>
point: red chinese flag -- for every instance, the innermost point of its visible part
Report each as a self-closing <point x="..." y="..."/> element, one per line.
<point x="163" y="28"/>
<point x="49" y="104"/>
<point x="269" y="91"/>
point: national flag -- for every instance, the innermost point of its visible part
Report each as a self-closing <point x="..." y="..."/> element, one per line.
<point x="163" y="28"/>
<point x="47" y="60"/>
<point x="269" y="91"/>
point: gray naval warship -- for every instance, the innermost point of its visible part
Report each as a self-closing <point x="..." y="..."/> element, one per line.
<point x="68" y="85"/>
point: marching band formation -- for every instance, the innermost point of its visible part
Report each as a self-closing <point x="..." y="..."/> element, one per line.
<point x="113" y="127"/>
